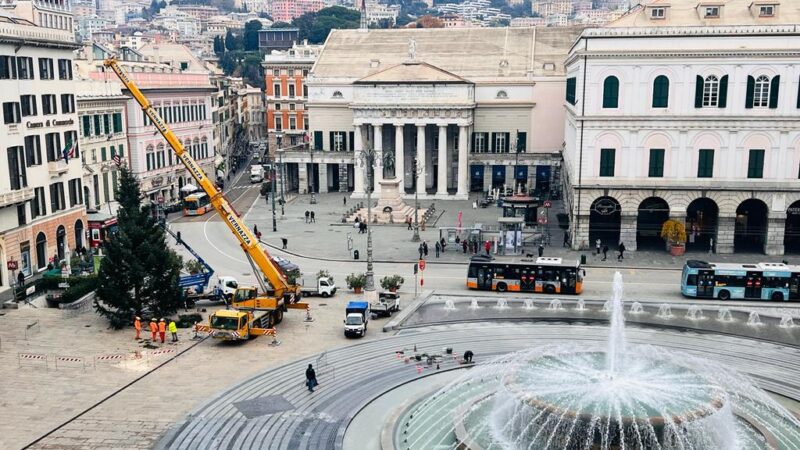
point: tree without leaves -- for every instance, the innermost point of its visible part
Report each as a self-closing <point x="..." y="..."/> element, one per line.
<point x="429" y="22"/>
<point x="139" y="272"/>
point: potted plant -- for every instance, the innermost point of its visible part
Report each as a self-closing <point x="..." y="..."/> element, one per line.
<point x="324" y="274"/>
<point x="674" y="232"/>
<point x="356" y="281"/>
<point x="392" y="283"/>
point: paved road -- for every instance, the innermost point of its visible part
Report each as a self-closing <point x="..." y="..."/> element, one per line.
<point x="274" y="410"/>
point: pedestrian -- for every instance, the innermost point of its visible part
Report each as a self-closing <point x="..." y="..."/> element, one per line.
<point x="605" y="252"/>
<point x="488" y="247"/>
<point x="621" y="250"/>
<point x="566" y="239"/>
<point x="711" y="245"/>
<point x="468" y="356"/>
<point x="20" y="279"/>
<point x="408" y="223"/>
<point x="420" y="251"/>
<point x="258" y="235"/>
<point x="137" y="324"/>
<point x="179" y="237"/>
<point x="438" y="247"/>
<point x="312" y="217"/>
<point x="285" y="242"/>
<point x="311" y="378"/>
<point x="444" y="243"/>
<point x="597" y="245"/>
<point x="464" y="246"/>
<point x="173" y="330"/>
<point x="255" y="230"/>
<point x="541" y="250"/>
<point x="344" y="200"/>
<point x="153" y="330"/>
<point x="425" y="248"/>
<point x="307" y="215"/>
<point x="162" y="329"/>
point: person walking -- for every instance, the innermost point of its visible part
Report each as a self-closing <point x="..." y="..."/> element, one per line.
<point x="153" y="330"/>
<point x="255" y="230"/>
<point x="285" y="242"/>
<point x="541" y="250"/>
<point x="20" y="279"/>
<point x="488" y="247"/>
<point x="425" y="248"/>
<point x="137" y="324"/>
<point x="344" y="200"/>
<point x="468" y="356"/>
<point x="464" y="246"/>
<point x="173" y="330"/>
<point x="597" y="245"/>
<point x="621" y="250"/>
<point x="311" y="378"/>
<point x="408" y="223"/>
<point x="710" y="246"/>
<point x="438" y="248"/>
<point x="178" y="234"/>
<point x="420" y="251"/>
<point x="566" y="239"/>
<point x="313" y="220"/>
<point x="307" y="215"/>
<point x="605" y="252"/>
<point x="162" y="329"/>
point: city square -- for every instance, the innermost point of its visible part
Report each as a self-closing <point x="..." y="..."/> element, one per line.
<point x="557" y="224"/>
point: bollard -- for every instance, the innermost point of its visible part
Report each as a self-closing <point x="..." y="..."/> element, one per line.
<point x="308" y="314"/>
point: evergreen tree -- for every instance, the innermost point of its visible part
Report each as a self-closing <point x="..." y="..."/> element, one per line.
<point x="219" y="47"/>
<point x="251" y="35"/>
<point x="139" y="272"/>
<point x="230" y="41"/>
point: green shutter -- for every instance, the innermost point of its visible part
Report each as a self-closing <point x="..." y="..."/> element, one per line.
<point x="522" y="141"/>
<point x="493" y="144"/>
<point x="117" y="122"/>
<point x="121" y="151"/>
<point x="330" y="141"/>
<point x="656" y="163"/>
<point x="96" y="125"/>
<point x="317" y="140"/>
<point x="661" y="92"/>
<point x="723" y="92"/>
<point x="87" y="126"/>
<point x="352" y="141"/>
<point x="102" y="154"/>
<point x="698" y="92"/>
<point x="751" y="89"/>
<point x="607" y="162"/>
<point x="611" y="92"/>
<point x="113" y="152"/>
<point x="571" y="88"/>
<point x="774" y="88"/>
<point x="755" y="164"/>
<point x="705" y="164"/>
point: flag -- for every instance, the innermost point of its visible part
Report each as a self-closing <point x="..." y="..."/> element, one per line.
<point x="117" y="160"/>
<point x="69" y="150"/>
<point x="306" y="138"/>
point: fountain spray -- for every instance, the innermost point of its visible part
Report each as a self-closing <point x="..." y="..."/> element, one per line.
<point x="616" y="337"/>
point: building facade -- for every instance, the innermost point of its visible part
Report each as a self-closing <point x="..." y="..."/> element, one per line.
<point x="286" y="94"/>
<point x="675" y="114"/>
<point x="42" y="216"/>
<point x="103" y="138"/>
<point x="492" y="123"/>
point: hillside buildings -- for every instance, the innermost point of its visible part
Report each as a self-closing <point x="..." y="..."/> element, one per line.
<point x="687" y="110"/>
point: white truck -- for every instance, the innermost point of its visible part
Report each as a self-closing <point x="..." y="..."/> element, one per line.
<point x="256" y="174"/>
<point x="356" y="318"/>
<point x="222" y="291"/>
<point x="388" y="303"/>
<point x="324" y="288"/>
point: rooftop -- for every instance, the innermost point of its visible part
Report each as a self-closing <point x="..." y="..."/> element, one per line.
<point x="693" y="13"/>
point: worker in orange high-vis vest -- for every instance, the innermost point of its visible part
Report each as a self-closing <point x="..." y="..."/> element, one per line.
<point x="153" y="329"/>
<point x="137" y="323"/>
<point x="162" y="329"/>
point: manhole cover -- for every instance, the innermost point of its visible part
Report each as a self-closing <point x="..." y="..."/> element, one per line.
<point x="246" y="274"/>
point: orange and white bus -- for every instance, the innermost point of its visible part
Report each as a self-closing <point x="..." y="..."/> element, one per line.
<point x="548" y="275"/>
<point x="196" y="204"/>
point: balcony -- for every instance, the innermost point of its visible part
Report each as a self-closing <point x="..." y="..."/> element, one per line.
<point x="57" y="168"/>
<point x="12" y="197"/>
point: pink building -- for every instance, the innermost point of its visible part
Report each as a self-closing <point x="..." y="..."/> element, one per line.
<point x="286" y="10"/>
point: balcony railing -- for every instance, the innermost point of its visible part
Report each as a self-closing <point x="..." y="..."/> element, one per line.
<point x="57" y="168"/>
<point x="11" y="197"/>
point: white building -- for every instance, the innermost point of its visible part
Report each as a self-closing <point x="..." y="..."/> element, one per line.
<point x="689" y="111"/>
<point x="41" y="207"/>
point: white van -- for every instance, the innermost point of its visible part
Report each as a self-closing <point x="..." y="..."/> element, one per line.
<point x="256" y="174"/>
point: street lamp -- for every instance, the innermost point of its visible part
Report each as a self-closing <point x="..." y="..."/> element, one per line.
<point x="366" y="158"/>
<point x="280" y="165"/>
<point x="416" y="171"/>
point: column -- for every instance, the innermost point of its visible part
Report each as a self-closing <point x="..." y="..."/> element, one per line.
<point x="378" y="147"/>
<point x="302" y="176"/>
<point x="627" y="232"/>
<point x="358" y="168"/>
<point x="463" y="170"/>
<point x="776" y="229"/>
<point x="723" y="241"/>
<point x="441" y="189"/>
<point x="399" y="157"/>
<point x="322" y="179"/>
<point x="421" y="159"/>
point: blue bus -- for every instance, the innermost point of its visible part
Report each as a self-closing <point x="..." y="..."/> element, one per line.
<point x="762" y="281"/>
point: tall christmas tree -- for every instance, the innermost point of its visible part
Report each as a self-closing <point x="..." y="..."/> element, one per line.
<point x="139" y="273"/>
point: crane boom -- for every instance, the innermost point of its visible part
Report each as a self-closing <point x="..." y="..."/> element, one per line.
<point x="248" y="242"/>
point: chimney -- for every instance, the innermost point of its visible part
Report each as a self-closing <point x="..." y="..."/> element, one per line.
<point x="364" y="26"/>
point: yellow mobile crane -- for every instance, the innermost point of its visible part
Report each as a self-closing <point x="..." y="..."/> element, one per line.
<point x="252" y="314"/>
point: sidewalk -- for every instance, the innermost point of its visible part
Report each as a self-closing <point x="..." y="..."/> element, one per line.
<point x="327" y="238"/>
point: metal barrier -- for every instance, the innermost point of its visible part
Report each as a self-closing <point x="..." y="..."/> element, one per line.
<point x="29" y="328"/>
<point x="108" y="359"/>
<point x="31" y="359"/>
<point x="159" y="353"/>
<point x="63" y="362"/>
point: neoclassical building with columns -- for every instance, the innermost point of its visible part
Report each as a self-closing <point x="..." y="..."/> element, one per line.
<point x="690" y="112"/>
<point x="477" y="108"/>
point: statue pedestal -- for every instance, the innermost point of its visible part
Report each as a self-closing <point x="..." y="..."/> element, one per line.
<point x="390" y="207"/>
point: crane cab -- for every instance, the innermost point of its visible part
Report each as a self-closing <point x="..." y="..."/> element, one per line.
<point x="248" y="298"/>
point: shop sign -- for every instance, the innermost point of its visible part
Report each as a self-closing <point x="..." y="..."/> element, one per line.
<point x="606" y="207"/>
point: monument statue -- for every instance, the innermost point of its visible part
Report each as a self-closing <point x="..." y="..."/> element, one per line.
<point x="388" y="165"/>
<point x="412" y="49"/>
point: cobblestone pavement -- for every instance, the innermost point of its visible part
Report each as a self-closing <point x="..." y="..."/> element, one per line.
<point x="264" y="414"/>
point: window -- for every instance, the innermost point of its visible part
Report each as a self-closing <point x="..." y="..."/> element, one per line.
<point x="656" y="169"/>
<point x="337" y="94"/>
<point x="8" y="67"/>
<point x="28" y="104"/>
<point x="607" y="162"/>
<point x="11" y="113"/>
<point x="502" y="95"/>
<point x="49" y="104"/>
<point x="21" y="214"/>
<point x="500" y="142"/>
<point x="277" y="106"/>
<point x="67" y="103"/>
<point x="103" y="156"/>
<point x="755" y="164"/>
<point x="184" y="65"/>
<point x="96" y="120"/>
<point x="33" y="150"/>
<point x="305" y="126"/>
<point x="658" y="13"/>
<point x="711" y="12"/>
<point x="337" y="144"/>
<point x="38" y="205"/>
<point x="107" y="123"/>
<point x="762" y="92"/>
<point x="305" y="91"/>
<point x="117" y="122"/>
<point x="276" y="89"/>
<point x="661" y="92"/>
<point x="46" y="69"/>
<point x="16" y="168"/>
<point x="64" y="69"/>
<point x="57" y="201"/>
<point x="25" y="68"/>
<point x="766" y="10"/>
<point x="292" y="123"/>
<point x="276" y="72"/>
<point x="522" y="142"/>
<point x="278" y="124"/>
<point x="291" y="90"/>
<point x="74" y="186"/>
<point x="571" y="87"/>
<point x="711" y="91"/>
<point x="611" y="92"/>
<point x="52" y="144"/>
<point x="705" y="164"/>
<point x="479" y="142"/>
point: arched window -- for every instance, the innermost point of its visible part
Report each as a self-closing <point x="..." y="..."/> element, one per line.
<point x="502" y="95"/>
<point x="611" y="92"/>
<point x="661" y="92"/>
<point x="150" y="157"/>
<point x="711" y="91"/>
<point x="337" y="94"/>
<point x="41" y="250"/>
<point x="761" y="92"/>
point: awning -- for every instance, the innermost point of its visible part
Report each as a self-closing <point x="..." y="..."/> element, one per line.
<point x="188" y="188"/>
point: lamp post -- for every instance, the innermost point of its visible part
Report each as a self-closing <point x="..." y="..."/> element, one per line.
<point x="367" y="159"/>
<point x="416" y="172"/>
<point x="272" y="182"/>
<point x="280" y="165"/>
